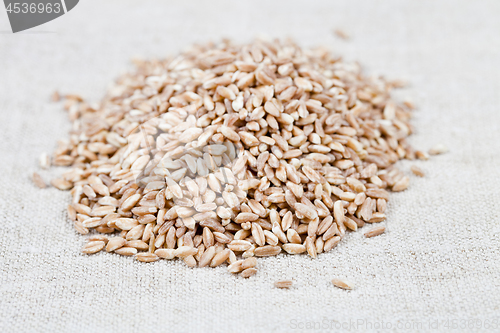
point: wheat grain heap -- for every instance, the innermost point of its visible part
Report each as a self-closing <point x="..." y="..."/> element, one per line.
<point x="230" y="152"/>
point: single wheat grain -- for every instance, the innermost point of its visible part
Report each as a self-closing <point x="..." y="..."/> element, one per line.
<point x="343" y="284"/>
<point x="283" y="284"/>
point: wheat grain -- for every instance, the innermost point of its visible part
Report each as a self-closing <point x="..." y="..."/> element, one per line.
<point x="421" y="155"/>
<point x="294" y="248"/>
<point x="93" y="247"/>
<point x="165" y="253"/>
<point x="115" y="243"/>
<point x="343" y="284"/>
<point x="283" y="284"/>
<point x="267" y="250"/>
<point x="234" y="152"/>
<point x="375" y="231"/>
<point x="146" y="257"/>
<point x="438" y="149"/>
<point x="402" y="184"/>
<point x="61" y="184"/>
<point x="417" y="171"/>
<point x="38" y="180"/>
<point x="341" y="34"/>
<point x="248" y="272"/>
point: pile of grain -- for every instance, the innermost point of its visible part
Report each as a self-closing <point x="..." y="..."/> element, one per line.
<point x="230" y="152"/>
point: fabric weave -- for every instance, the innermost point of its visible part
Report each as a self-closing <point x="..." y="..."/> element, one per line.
<point x="437" y="264"/>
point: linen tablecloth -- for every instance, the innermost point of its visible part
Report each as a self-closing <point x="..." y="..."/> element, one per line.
<point x="435" y="269"/>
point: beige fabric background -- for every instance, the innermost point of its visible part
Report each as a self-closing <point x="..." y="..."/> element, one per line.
<point x="437" y="264"/>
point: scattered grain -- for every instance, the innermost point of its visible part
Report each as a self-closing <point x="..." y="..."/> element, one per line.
<point x="417" y="171"/>
<point x="283" y="284"/>
<point x="38" y="180"/>
<point x="341" y="34"/>
<point x="438" y="149"/>
<point x="343" y="284"/>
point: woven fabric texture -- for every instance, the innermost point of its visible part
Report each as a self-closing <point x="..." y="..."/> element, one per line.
<point x="438" y="263"/>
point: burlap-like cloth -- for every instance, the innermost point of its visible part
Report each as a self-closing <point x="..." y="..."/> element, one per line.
<point x="435" y="269"/>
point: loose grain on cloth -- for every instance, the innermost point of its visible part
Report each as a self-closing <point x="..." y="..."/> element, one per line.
<point x="438" y="259"/>
<point x="219" y="151"/>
